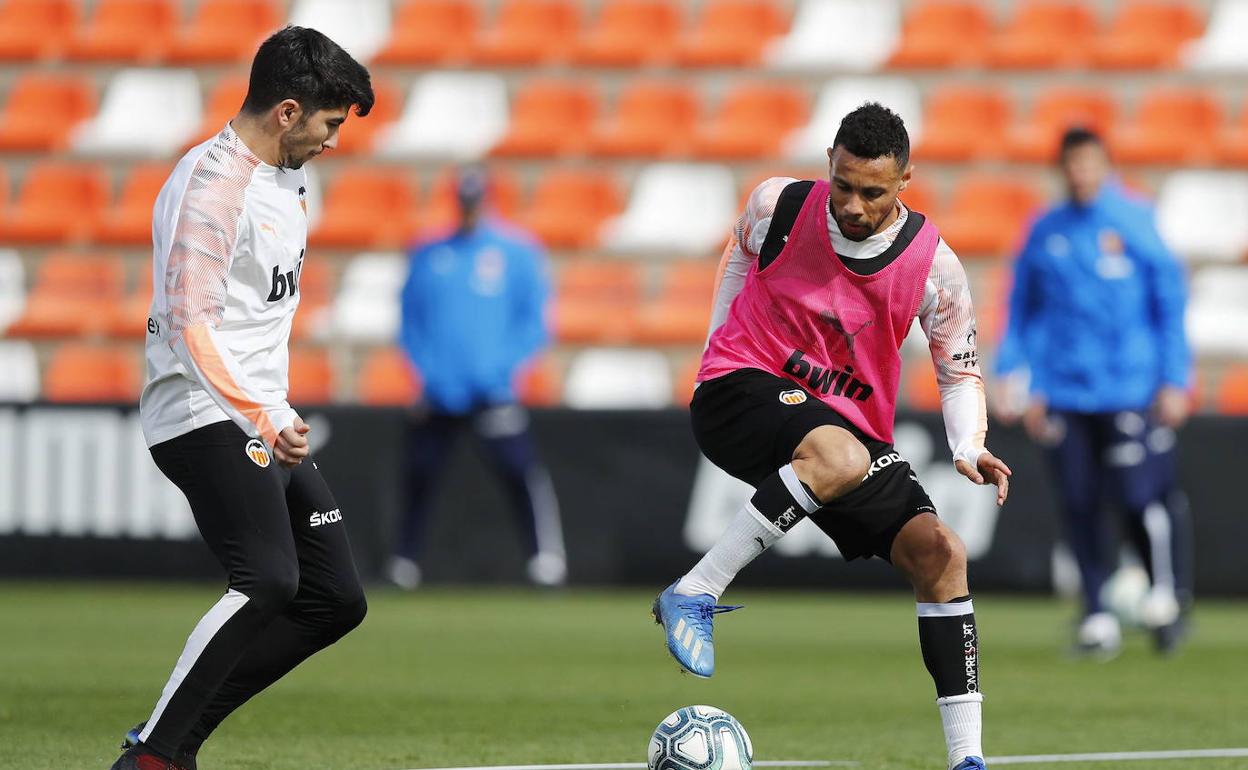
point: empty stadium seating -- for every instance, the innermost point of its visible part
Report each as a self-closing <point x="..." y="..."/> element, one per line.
<point x="79" y="372"/>
<point x="622" y="133"/>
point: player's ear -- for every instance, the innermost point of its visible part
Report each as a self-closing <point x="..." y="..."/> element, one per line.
<point x="288" y="113"/>
<point x="905" y="176"/>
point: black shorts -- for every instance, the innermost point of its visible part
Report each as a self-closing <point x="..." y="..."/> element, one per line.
<point x="749" y="423"/>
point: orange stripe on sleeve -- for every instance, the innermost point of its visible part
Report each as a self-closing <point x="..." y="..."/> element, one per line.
<point x="208" y="360"/>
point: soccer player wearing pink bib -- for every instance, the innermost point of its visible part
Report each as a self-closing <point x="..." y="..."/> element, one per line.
<point x="797" y="393"/>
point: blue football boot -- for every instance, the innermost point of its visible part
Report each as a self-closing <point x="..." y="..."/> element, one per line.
<point x="971" y="763"/>
<point x="686" y="621"/>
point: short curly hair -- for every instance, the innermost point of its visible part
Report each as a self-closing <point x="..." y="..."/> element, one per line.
<point x="874" y="131"/>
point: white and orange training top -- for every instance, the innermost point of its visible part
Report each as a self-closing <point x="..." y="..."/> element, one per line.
<point x="228" y="239"/>
<point x="946" y="313"/>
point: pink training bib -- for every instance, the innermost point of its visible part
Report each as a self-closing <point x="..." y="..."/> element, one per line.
<point x="809" y="318"/>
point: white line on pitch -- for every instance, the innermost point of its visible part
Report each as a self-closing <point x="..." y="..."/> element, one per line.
<point x="642" y="765"/>
<point x="1121" y="756"/>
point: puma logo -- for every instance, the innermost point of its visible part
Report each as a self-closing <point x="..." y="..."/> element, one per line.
<point x="830" y="318"/>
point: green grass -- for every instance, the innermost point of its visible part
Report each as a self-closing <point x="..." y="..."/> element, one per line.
<point x="484" y="677"/>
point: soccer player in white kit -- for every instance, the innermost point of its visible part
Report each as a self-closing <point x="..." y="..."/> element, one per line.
<point x="229" y="236"/>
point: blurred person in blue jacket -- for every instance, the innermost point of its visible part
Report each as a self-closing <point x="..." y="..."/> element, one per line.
<point x="473" y="312"/>
<point x="1096" y="334"/>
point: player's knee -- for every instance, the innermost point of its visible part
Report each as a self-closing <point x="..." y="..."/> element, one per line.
<point x="275" y="588"/>
<point x="836" y="466"/>
<point x="932" y="555"/>
<point x="345" y="614"/>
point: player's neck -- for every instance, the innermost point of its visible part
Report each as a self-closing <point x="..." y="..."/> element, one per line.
<point x="263" y="144"/>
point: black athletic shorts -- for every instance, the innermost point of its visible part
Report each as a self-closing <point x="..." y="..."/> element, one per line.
<point x="749" y="423"/>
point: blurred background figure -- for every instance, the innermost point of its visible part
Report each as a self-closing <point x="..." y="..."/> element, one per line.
<point x="473" y="312"/>
<point x="1096" y="326"/>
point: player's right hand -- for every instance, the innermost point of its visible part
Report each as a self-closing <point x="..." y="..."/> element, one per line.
<point x="292" y="444"/>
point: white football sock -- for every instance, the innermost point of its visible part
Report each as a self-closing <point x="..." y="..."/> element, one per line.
<point x="749" y="534"/>
<point x="961" y="717"/>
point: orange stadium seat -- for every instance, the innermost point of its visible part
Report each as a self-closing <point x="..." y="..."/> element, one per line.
<point x="224" y="31"/>
<point x="367" y="207"/>
<point x="442" y="210"/>
<point x="356" y="135"/>
<point x="752" y="121"/>
<point x="940" y="34"/>
<point x="919" y="387"/>
<point x="568" y="207"/>
<point x="58" y="202"/>
<point x="1044" y="34"/>
<point x="316" y="291"/>
<point x="430" y="32"/>
<point x="311" y="377"/>
<point x="539" y="383"/>
<point x="1035" y="140"/>
<point x="42" y="109"/>
<point x="987" y="214"/>
<point x="528" y="32"/>
<point x="549" y="118"/>
<point x="223" y="104"/>
<point x="681" y="314"/>
<point x="1232" y="143"/>
<point x="919" y="196"/>
<point x="83" y="373"/>
<point x="652" y="118"/>
<point x="630" y="33"/>
<point x="963" y="123"/>
<point x="128" y="319"/>
<point x="129" y="220"/>
<point x="596" y="302"/>
<point x="1232" y="394"/>
<point x="685" y="379"/>
<point x="124" y="30"/>
<point x="387" y="379"/>
<point x="34" y="29"/>
<point x="1171" y="125"/>
<point x="731" y="33"/>
<point x="1147" y="34"/>
<point x="73" y="295"/>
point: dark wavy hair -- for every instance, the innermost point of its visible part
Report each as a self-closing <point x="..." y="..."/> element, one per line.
<point x="303" y="64"/>
<point x="874" y="131"/>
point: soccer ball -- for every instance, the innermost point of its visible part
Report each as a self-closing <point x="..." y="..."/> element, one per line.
<point x="700" y="738"/>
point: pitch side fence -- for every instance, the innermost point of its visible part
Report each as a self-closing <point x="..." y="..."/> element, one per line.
<point x="80" y="497"/>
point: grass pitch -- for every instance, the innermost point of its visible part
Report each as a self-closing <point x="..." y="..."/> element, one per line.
<point x="447" y="678"/>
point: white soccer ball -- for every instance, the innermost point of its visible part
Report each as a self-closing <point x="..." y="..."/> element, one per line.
<point x="700" y="738"/>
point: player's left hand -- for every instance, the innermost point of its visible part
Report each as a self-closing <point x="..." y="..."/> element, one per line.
<point x="990" y="470"/>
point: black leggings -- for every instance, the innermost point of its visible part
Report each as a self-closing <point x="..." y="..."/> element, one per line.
<point x="292" y="584"/>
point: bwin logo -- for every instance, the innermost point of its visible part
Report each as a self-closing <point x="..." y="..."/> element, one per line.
<point x="329" y="517"/>
<point x="285" y="283"/>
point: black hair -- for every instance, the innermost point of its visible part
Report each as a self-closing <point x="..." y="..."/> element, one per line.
<point x="874" y="131"/>
<point x="1078" y="136"/>
<point x="303" y="64"/>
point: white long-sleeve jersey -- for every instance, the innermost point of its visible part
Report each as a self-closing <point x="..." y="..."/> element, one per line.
<point x="228" y="237"/>
<point x="946" y="314"/>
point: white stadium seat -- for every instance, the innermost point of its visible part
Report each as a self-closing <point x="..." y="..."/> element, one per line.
<point x="683" y="208"/>
<point x="613" y="378"/>
<point x="12" y="287"/>
<point x="21" y="371"/>
<point x="1201" y="214"/>
<point x="361" y="27"/>
<point x="1222" y="46"/>
<point x="145" y="112"/>
<point x="367" y="306"/>
<point x="449" y="115"/>
<point x="844" y="35"/>
<point x="843" y="95"/>
<point x="1216" y="308"/>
